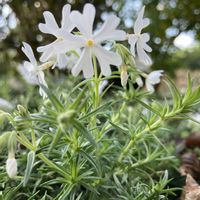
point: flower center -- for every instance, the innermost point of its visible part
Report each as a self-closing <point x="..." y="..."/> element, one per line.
<point x="59" y="39"/>
<point x="138" y="35"/>
<point x="90" y="43"/>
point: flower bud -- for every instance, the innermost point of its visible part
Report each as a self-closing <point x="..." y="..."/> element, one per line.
<point x="11" y="165"/>
<point x="67" y="117"/>
<point x="22" y="111"/>
<point x="123" y="75"/>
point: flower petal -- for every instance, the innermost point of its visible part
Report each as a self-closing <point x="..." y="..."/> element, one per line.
<point x="140" y="23"/>
<point x="154" y="77"/>
<point x="142" y="54"/>
<point x="144" y="38"/>
<point x="66" y="23"/>
<point x="149" y="87"/>
<point x="106" y="58"/>
<point x="84" y="22"/>
<point x="132" y="39"/>
<point x="47" y="52"/>
<point x="70" y="42"/>
<point x="62" y="61"/>
<point x="29" y="53"/>
<point x="42" y="81"/>
<point x="85" y="64"/>
<point x="108" y="30"/>
<point x="25" y="71"/>
<point x="50" y="26"/>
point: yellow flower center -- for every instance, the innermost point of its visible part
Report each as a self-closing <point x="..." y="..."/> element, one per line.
<point x="90" y="43"/>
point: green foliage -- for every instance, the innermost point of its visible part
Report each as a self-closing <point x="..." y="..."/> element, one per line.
<point x="77" y="145"/>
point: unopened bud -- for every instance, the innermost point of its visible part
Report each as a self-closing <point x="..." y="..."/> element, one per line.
<point x="11" y="165"/>
<point x="65" y="118"/>
<point x="123" y="75"/>
<point x="22" y="111"/>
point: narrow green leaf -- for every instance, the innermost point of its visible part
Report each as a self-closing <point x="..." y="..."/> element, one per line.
<point x="56" y="138"/>
<point x="55" y="101"/>
<point x="189" y="89"/>
<point x="12" y="192"/>
<point x="78" y="99"/>
<point x="91" y="160"/>
<point x="32" y="197"/>
<point x="84" y="132"/>
<point x="93" y="112"/>
<point x="119" y="128"/>
<point x="177" y="100"/>
<point x="29" y="166"/>
<point x="54" y="166"/>
<point x="66" y="192"/>
<point x="147" y="106"/>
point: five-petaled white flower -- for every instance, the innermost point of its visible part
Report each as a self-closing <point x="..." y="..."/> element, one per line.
<point x="49" y="51"/>
<point x="91" y="43"/>
<point x="30" y="70"/>
<point x="152" y="79"/>
<point x="138" y="40"/>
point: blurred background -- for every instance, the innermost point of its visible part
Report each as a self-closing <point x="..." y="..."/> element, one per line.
<point x="174" y="31"/>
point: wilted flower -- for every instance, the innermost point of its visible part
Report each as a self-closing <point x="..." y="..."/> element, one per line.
<point x="91" y="43"/>
<point x="51" y="27"/>
<point x="11" y="165"/>
<point x="152" y="79"/>
<point x="138" y="40"/>
<point x="30" y="70"/>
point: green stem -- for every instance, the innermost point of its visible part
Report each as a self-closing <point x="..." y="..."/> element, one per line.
<point x="148" y="128"/>
<point x="96" y="82"/>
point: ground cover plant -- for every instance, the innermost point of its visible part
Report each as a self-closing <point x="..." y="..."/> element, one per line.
<point x="85" y="137"/>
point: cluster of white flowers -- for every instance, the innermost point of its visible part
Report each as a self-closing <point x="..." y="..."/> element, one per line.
<point x="87" y="44"/>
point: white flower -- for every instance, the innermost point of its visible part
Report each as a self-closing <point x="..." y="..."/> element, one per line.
<point x="31" y="72"/>
<point x="5" y="105"/>
<point x="91" y="43"/>
<point x="11" y="165"/>
<point x="51" y="27"/>
<point x="152" y="79"/>
<point x="138" y="40"/>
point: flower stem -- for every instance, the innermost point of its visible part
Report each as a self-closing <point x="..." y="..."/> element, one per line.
<point x="96" y="82"/>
